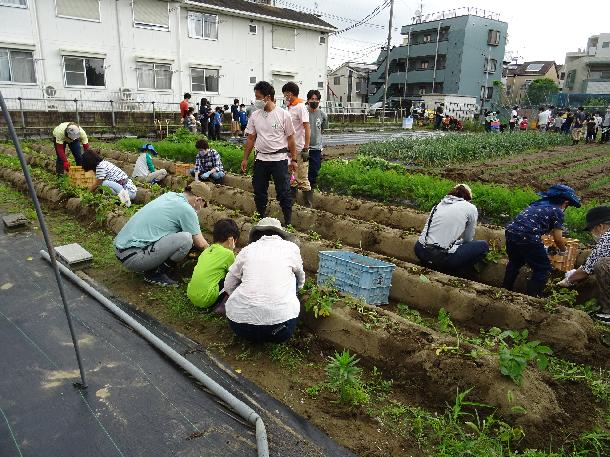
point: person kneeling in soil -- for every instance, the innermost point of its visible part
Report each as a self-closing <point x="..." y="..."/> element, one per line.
<point x="598" y="262"/>
<point x="206" y="288"/>
<point x="262" y="285"/>
<point x="109" y="175"/>
<point x="208" y="165"/>
<point x="523" y="237"/>
<point x="447" y="241"/>
<point x="144" y="168"/>
<point x="160" y="235"/>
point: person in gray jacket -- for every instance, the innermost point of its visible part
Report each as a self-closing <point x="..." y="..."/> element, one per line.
<point x="447" y="241"/>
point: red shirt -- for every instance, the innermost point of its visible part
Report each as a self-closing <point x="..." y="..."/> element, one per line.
<point x="184" y="107"/>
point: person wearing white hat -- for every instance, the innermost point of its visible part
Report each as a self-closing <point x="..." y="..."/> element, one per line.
<point x="68" y="133"/>
<point x="262" y="283"/>
<point x="447" y="240"/>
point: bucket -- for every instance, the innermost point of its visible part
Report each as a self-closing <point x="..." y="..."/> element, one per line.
<point x="407" y="122"/>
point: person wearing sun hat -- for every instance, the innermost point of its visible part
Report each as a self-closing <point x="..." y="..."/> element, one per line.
<point x="523" y="236"/>
<point x="144" y="167"/>
<point x="598" y="262"/>
<point x="447" y="241"/>
<point x="68" y="133"/>
<point x="262" y="285"/>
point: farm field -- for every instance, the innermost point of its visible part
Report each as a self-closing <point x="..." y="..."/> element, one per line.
<point x="449" y="368"/>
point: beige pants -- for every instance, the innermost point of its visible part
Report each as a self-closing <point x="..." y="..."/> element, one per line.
<point x="577" y="133"/>
<point x="602" y="275"/>
<point x="302" y="177"/>
<point x="158" y="175"/>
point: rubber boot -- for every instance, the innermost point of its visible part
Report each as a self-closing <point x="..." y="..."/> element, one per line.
<point x="308" y="197"/>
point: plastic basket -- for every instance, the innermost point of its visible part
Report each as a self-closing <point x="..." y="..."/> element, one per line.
<point x="80" y="178"/>
<point x="354" y="274"/>
<point x="562" y="262"/>
<point x="183" y="169"/>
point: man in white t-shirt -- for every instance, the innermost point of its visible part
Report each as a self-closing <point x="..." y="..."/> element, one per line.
<point x="544" y="115"/>
<point x="271" y="132"/>
<point x="300" y="120"/>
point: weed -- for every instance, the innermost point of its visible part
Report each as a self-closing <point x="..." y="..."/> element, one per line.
<point x="255" y="217"/>
<point x="514" y="359"/>
<point x="409" y="314"/>
<point x="338" y="244"/>
<point x="560" y="297"/>
<point x="286" y="355"/>
<point x="313" y="236"/>
<point x="343" y="377"/>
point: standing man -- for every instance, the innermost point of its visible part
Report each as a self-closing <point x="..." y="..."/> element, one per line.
<point x="68" y="133"/>
<point x="204" y="115"/>
<point x="184" y="108"/>
<point x="270" y="129"/>
<point x="300" y="121"/>
<point x="235" y="118"/>
<point x="438" y="116"/>
<point x="318" y="121"/>
<point x="579" y="122"/>
<point x="544" y="115"/>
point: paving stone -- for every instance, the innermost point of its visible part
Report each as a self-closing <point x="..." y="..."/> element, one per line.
<point x="14" y="221"/>
<point x="73" y="253"/>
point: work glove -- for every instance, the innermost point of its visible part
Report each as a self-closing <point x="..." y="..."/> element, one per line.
<point x="86" y="146"/>
<point x="565" y="282"/>
<point x="206" y="175"/>
<point x="66" y="165"/>
<point x="305" y="154"/>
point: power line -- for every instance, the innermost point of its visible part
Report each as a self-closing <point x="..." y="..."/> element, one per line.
<point x="378" y="9"/>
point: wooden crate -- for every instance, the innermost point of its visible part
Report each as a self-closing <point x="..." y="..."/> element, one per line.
<point x="562" y="262"/>
<point x="183" y="169"/>
<point x="81" y="178"/>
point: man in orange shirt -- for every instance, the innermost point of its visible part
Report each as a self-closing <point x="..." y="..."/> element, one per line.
<point x="184" y="107"/>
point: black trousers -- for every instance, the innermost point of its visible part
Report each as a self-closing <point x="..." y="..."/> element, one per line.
<point x="263" y="172"/>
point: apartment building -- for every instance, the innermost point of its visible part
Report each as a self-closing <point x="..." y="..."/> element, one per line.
<point x="588" y="70"/>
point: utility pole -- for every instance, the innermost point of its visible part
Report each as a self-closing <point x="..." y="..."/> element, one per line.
<point x="387" y="63"/>
<point x="484" y="96"/>
<point x="404" y="92"/>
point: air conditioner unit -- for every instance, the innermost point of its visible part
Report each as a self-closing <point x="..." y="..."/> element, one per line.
<point x="50" y="91"/>
<point x="126" y="94"/>
<point x="49" y="94"/>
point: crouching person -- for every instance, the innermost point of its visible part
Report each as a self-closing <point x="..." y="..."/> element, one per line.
<point x="447" y="242"/>
<point x="109" y="175"/>
<point x="144" y="168"/>
<point x="160" y="235"/>
<point x="523" y="237"/>
<point x="598" y="262"/>
<point x="208" y="165"/>
<point x="206" y="288"/>
<point x="262" y="285"/>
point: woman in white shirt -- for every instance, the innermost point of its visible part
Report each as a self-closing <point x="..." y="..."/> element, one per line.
<point x="262" y="283"/>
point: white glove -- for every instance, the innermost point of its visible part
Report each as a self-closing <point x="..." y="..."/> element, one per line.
<point x="565" y="282"/>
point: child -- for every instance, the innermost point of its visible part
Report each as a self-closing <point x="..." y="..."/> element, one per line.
<point x="144" y="168"/>
<point x="523" y="237"/>
<point x="591" y="130"/>
<point x="217" y="122"/>
<point x="235" y="118"/>
<point x="206" y="288"/>
<point x="243" y="118"/>
<point x="523" y="124"/>
<point x="109" y="175"/>
<point x="207" y="164"/>
<point x="190" y="122"/>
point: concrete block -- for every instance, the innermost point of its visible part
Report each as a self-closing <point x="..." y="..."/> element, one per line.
<point x="15" y="221"/>
<point x="73" y="253"/>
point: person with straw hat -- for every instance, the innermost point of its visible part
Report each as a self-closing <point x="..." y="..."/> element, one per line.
<point x="262" y="285"/>
<point x="447" y="241"/>
<point x="598" y="262"/>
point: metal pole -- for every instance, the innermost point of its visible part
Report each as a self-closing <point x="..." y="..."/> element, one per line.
<point x="486" y="79"/>
<point x="22" y="115"/>
<point x="387" y="64"/>
<point x="112" y="112"/>
<point x="154" y="113"/>
<point x="404" y="93"/>
<point x="45" y="233"/>
<point x="438" y="34"/>
<point x="76" y="109"/>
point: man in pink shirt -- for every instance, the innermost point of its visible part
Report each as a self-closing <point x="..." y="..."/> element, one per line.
<point x="300" y="120"/>
<point x="271" y="132"/>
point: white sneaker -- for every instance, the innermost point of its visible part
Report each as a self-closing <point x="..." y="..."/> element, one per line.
<point x="124" y="197"/>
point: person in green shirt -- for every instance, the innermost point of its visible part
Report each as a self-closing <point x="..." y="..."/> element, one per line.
<point x="205" y="290"/>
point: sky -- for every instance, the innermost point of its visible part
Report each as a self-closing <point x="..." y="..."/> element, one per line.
<point x="537" y="30"/>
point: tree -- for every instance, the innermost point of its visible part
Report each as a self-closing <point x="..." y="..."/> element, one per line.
<point x="540" y="90"/>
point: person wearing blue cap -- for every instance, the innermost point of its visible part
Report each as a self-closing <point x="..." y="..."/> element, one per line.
<point x="598" y="262"/>
<point x="144" y="168"/>
<point x="523" y="237"/>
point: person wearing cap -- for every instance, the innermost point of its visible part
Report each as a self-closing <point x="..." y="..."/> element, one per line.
<point x="262" y="285"/>
<point x="523" y="237"/>
<point x="598" y="262"/>
<point x="68" y="133"/>
<point x="160" y="235"/>
<point x="447" y="241"/>
<point x="144" y="168"/>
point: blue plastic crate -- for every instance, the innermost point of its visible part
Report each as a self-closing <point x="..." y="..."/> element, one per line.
<point x="358" y="275"/>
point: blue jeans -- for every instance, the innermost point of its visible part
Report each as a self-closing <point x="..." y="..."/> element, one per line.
<point x="116" y="188"/>
<point x="315" y="162"/>
<point x="75" y="148"/>
<point x="462" y="260"/>
<point x="520" y="253"/>
<point x="277" y="333"/>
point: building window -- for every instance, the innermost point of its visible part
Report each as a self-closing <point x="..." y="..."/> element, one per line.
<point x="320" y="84"/>
<point x="15" y="3"/>
<point x="252" y="79"/>
<point x="17" y="66"/>
<point x="489" y="91"/>
<point x="253" y="29"/>
<point x="204" y="80"/>
<point x="283" y="38"/>
<point x="84" y="71"/>
<point x="203" y="25"/>
<point x="570" y="78"/>
<point x="358" y="86"/>
<point x="493" y="37"/>
<point x="490" y="65"/>
<point x="337" y="80"/>
<point x="322" y="39"/>
<point x="149" y="14"/>
<point x="154" y="76"/>
<point x="606" y="44"/>
<point x="427" y="38"/>
<point x="423" y="65"/>
<point x="82" y="9"/>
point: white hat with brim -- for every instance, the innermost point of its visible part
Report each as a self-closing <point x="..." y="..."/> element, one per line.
<point x="73" y="132"/>
<point x="270" y="224"/>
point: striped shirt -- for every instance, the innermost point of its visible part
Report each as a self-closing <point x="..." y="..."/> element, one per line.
<point x="106" y="171"/>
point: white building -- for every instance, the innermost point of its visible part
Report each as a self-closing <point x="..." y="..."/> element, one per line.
<point x="348" y="82"/>
<point x="588" y="70"/>
<point x="144" y="50"/>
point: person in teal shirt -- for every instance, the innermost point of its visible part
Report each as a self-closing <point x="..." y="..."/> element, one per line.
<point x="205" y="290"/>
<point x="160" y="235"/>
